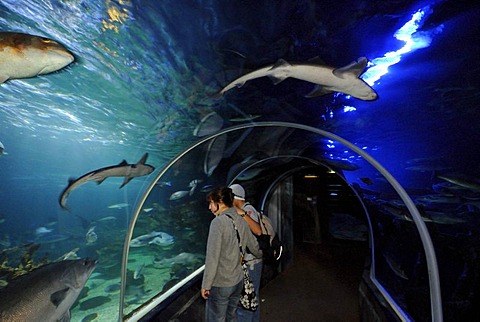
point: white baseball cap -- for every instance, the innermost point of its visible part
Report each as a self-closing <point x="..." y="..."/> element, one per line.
<point x="238" y="191"/>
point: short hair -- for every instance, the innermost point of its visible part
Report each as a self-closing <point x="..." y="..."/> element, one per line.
<point x="221" y="194"/>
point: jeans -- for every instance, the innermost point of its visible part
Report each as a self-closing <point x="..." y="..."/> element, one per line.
<point x="256" y="275"/>
<point x="222" y="303"/>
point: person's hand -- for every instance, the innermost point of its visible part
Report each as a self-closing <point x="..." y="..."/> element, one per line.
<point x="205" y="293"/>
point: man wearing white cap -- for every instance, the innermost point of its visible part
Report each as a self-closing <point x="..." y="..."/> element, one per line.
<point x="254" y="264"/>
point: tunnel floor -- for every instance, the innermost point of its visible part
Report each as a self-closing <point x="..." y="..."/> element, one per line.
<point x="321" y="285"/>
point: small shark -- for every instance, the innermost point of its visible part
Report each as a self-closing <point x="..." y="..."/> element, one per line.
<point x="123" y="169"/>
<point x="2" y="149"/>
<point x="23" y="56"/>
<point x="47" y="293"/>
<point x="328" y="79"/>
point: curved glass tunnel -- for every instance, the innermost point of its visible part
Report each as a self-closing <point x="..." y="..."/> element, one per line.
<point x="311" y="191"/>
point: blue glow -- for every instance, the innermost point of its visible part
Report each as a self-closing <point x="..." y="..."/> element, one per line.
<point x="330" y="146"/>
<point x="413" y="40"/>
<point x="349" y="109"/>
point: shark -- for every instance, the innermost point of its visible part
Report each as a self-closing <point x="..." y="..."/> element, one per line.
<point x="123" y="169"/>
<point x="23" y="56"/>
<point x="2" y="149"/>
<point x="46" y="293"/>
<point x="327" y="79"/>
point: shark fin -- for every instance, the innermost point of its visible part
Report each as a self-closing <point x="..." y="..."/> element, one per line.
<point x="100" y="180"/>
<point x="355" y="68"/>
<point x="127" y="180"/>
<point x="317" y="61"/>
<point x="276" y="79"/>
<point x="319" y="91"/>
<point x="124" y="162"/>
<point x="58" y="297"/>
<point x="65" y="317"/>
<point x="143" y="159"/>
<point x="3" y="78"/>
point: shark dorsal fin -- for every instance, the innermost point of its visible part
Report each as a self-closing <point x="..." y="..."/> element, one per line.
<point x="317" y="61"/>
<point x="58" y="297"/>
<point x="143" y="159"/>
<point x="280" y="63"/>
<point x="124" y="162"/>
<point x="355" y="68"/>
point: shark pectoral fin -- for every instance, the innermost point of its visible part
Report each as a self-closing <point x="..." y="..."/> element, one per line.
<point x="143" y="159"/>
<point x="100" y="180"/>
<point x="3" y="78"/>
<point x="319" y="91"/>
<point x="65" y="317"/>
<point x="276" y="80"/>
<point x="355" y="68"/>
<point x="127" y="180"/>
<point x="58" y="297"/>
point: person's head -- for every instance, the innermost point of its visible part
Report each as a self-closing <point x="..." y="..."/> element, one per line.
<point x="219" y="199"/>
<point x="238" y="193"/>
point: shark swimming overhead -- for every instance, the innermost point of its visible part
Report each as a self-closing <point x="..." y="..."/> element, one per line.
<point x="123" y="169"/>
<point x="24" y="56"/>
<point x="327" y="79"/>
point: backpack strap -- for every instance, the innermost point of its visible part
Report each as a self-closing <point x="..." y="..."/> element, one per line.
<point x="242" y="253"/>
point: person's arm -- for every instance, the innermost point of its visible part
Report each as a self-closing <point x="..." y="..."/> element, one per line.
<point x="252" y="224"/>
<point x="214" y="246"/>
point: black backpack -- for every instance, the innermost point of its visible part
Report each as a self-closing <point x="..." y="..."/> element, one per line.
<point x="269" y="242"/>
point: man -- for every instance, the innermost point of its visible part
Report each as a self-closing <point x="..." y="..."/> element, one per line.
<point x="254" y="264"/>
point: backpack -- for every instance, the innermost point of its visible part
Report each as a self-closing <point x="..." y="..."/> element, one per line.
<point x="269" y="242"/>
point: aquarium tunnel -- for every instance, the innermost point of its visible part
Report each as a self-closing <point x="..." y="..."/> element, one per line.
<point x="276" y="152"/>
<point x="352" y="125"/>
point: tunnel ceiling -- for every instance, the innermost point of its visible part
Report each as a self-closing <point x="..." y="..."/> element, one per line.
<point x="145" y="72"/>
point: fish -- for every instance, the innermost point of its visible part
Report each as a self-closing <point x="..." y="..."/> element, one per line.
<point x="178" y="194"/>
<point x="70" y="255"/>
<point x="123" y="169"/>
<point x="143" y="240"/>
<point x="48" y="239"/>
<point x="189" y="260"/>
<point x="209" y="124"/>
<point x="163" y="239"/>
<point x="94" y="302"/>
<point x="42" y="231"/>
<point x="118" y="206"/>
<point x="2" y="149"/>
<point x="138" y="271"/>
<point x="193" y="185"/>
<point x="327" y="79"/>
<point x="147" y="210"/>
<point x="91" y="236"/>
<point x="24" y="56"/>
<point x="462" y="181"/>
<point x="214" y="154"/>
<point x="89" y="318"/>
<point x="46" y="293"/>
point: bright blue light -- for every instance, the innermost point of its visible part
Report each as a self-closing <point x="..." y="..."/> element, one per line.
<point x="413" y="40"/>
<point x="349" y="109"/>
